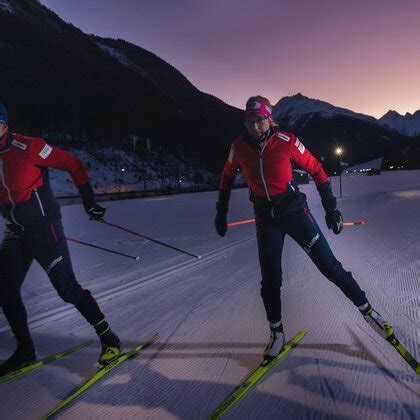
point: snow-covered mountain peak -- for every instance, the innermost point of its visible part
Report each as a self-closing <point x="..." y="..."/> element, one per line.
<point x="290" y="108"/>
<point x="408" y="124"/>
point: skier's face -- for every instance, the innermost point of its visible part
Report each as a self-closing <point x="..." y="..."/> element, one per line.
<point x="3" y="130"/>
<point x="257" y="126"/>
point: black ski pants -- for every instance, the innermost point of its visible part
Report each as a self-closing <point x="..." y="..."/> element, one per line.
<point x="44" y="242"/>
<point x="294" y="218"/>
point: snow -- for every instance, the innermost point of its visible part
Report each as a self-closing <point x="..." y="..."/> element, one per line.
<point x="365" y="166"/>
<point x="114" y="170"/>
<point x="123" y="59"/>
<point x="211" y="319"/>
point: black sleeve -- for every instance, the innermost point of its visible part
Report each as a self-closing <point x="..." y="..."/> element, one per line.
<point x="328" y="200"/>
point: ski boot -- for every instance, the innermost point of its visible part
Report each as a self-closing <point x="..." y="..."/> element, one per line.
<point x="111" y="348"/>
<point x="276" y="343"/>
<point x="375" y="320"/>
<point x="23" y="356"/>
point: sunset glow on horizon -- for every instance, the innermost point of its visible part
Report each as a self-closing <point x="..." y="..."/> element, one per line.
<point x="359" y="55"/>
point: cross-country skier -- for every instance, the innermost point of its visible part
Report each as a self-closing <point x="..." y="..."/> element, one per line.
<point x="264" y="155"/>
<point x="33" y="231"/>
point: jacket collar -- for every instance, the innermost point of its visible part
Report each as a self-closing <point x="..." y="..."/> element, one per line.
<point x="8" y="141"/>
<point x="258" y="145"/>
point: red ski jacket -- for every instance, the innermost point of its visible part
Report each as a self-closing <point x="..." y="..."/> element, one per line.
<point x="25" y="193"/>
<point x="268" y="171"/>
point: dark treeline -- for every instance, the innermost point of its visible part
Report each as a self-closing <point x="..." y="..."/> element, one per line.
<point x="56" y="79"/>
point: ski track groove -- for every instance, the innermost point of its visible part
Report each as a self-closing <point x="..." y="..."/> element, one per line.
<point x="61" y="312"/>
<point x="213" y="329"/>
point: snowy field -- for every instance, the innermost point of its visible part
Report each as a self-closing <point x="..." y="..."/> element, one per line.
<point x="211" y="319"/>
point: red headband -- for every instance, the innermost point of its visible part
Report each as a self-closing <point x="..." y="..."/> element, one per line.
<point x="259" y="108"/>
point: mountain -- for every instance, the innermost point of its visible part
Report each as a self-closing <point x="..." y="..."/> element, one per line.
<point x="408" y="124"/>
<point x="322" y="127"/>
<point x="291" y="108"/>
<point x="79" y="90"/>
<point x="56" y="79"/>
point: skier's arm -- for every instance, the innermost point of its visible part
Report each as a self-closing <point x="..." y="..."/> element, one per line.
<point x="43" y="154"/>
<point x="230" y="170"/>
<point x="304" y="158"/>
<point x="226" y="182"/>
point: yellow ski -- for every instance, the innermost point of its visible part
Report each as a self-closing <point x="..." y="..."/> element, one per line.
<point x="252" y="380"/>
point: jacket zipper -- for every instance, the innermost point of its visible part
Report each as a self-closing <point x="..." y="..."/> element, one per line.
<point x="262" y="173"/>
<point x="12" y="215"/>
<point x="39" y="202"/>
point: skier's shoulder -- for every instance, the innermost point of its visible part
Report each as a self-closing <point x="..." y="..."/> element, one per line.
<point x="25" y="142"/>
<point x="20" y="142"/>
<point x="283" y="135"/>
<point x="32" y="145"/>
<point x="239" y="142"/>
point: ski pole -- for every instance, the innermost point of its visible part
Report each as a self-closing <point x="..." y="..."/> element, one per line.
<point x="140" y="235"/>
<point x="103" y="249"/>
<point x="241" y="222"/>
<point x="360" y="222"/>
<point x="246" y="221"/>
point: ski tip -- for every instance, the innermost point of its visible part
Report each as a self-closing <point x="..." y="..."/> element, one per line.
<point x="137" y="258"/>
<point x="199" y="257"/>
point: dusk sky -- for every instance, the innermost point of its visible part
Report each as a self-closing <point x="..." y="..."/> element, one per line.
<point x="361" y="55"/>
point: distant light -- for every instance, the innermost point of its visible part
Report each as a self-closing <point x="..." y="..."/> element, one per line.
<point x="180" y="180"/>
<point x="391" y="167"/>
<point x="123" y="170"/>
<point x="339" y="151"/>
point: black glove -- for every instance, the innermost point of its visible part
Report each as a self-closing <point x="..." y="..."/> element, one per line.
<point x="220" y="220"/>
<point x="92" y="208"/>
<point x="334" y="220"/>
<point x="333" y="217"/>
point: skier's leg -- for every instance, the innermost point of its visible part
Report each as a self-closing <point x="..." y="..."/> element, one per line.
<point x="14" y="264"/>
<point x="51" y="251"/>
<point x="303" y="228"/>
<point x="53" y="255"/>
<point x="270" y="246"/>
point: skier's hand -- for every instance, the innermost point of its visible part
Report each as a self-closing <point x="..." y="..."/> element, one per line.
<point x="222" y="208"/>
<point x="96" y="212"/>
<point x="334" y="221"/>
<point x="221" y="223"/>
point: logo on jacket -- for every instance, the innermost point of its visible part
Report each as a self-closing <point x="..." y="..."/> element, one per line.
<point x="300" y="146"/>
<point x="19" y="144"/>
<point x="283" y="136"/>
<point x="45" y="152"/>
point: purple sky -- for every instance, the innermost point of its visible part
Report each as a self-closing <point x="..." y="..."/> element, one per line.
<point x="361" y="55"/>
